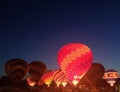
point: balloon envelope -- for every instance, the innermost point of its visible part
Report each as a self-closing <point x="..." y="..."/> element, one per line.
<point x="48" y="77"/>
<point x="16" y="69"/>
<point x="94" y="74"/>
<point x="75" y="60"/>
<point x="111" y="76"/>
<point x="60" y="77"/>
<point x="36" y="70"/>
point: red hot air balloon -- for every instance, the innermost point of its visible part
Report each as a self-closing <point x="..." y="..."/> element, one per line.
<point x="16" y="69"/>
<point x="75" y="60"/>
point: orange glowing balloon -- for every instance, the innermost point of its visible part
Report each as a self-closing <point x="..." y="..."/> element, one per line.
<point x="48" y="77"/>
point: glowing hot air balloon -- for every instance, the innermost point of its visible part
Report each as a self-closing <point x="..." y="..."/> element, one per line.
<point x="48" y="77"/>
<point x="75" y="60"/>
<point x="111" y="76"/>
<point x="60" y="78"/>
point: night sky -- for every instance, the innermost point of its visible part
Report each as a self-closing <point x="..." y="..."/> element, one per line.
<point x="37" y="30"/>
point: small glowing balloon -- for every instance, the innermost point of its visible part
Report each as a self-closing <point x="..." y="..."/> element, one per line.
<point x="47" y="78"/>
<point x="75" y="59"/>
<point x="111" y="76"/>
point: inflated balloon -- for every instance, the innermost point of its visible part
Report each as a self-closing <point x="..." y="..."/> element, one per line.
<point x="36" y="70"/>
<point x="48" y="77"/>
<point x="94" y="74"/>
<point x="16" y="69"/>
<point x="60" y="78"/>
<point x="111" y="76"/>
<point x="75" y="60"/>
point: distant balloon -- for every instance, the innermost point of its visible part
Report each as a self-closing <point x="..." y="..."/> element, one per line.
<point x="16" y="69"/>
<point x="36" y="70"/>
<point x="111" y="76"/>
<point x="75" y="60"/>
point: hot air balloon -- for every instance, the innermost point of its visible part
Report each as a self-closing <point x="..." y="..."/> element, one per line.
<point x="36" y="70"/>
<point x="48" y="77"/>
<point x="16" y="69"/>
<point x="60" y="78"/>
<point x="75" y="60"/>
<point x="94" y="74"/>
<point x="111" y="76"/>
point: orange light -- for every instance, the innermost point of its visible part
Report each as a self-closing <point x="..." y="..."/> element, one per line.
<point x="32" y="83"/>
<point x="75" y="82"/>
<point x="64" y="83"/>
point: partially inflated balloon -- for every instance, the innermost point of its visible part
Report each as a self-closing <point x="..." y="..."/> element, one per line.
<point x="75" y="60"/>
<point x="16" y="69"/>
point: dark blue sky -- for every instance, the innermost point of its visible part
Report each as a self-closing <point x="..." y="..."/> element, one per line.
<point x="37" y="30"/>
